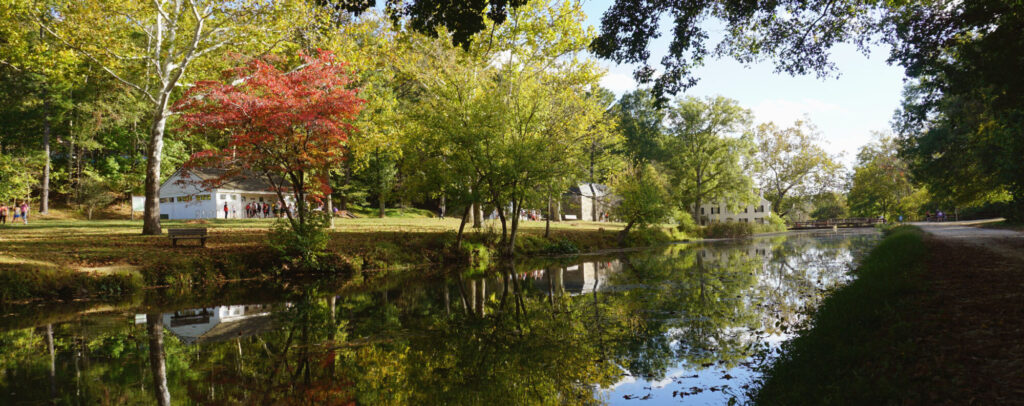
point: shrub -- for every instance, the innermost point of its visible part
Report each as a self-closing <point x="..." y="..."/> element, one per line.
<point x="685" y="223"/>
<point x="304" y="245"/>
<point x="730" y="229"/>
<point x="775" y="224"/>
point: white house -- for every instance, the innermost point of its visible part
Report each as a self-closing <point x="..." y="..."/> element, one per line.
<point x="752" y="213"/>
<point x="219" y="323"/>
<point x="184" y="197"/>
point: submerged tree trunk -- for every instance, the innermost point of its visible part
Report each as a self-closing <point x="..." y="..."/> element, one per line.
<point x="157" y="359"/>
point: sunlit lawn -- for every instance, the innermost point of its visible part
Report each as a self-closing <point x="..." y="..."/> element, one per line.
<point x="88" y="244"/>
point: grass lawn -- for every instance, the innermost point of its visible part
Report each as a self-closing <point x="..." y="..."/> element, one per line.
<point x="237" y="248"/>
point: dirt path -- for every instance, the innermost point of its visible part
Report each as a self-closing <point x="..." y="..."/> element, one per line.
<point x="971" y="319"/>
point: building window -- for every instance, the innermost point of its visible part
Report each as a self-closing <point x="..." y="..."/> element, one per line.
<point x="223" y="197"/>
<point x="203" y="197"/>
<point x="234" y="197"/>
<point x="701" y="210"/>
<point x="184" y="199"/>
<point x="745" y="209"/>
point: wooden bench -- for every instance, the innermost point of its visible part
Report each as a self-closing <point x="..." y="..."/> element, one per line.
<point x="186" y="233"/>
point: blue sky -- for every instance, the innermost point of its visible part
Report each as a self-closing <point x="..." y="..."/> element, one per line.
<point x="845" y="109"/>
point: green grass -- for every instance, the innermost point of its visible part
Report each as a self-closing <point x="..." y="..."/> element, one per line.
<point x="73" y="253"/>
<point x="858" y="339"/>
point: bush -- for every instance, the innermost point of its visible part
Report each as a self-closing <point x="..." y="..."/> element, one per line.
<point x="305" y="245"/>
<point x="775" y="224"/>
<point x="730" y="229"/>
<point x="685" y="223"/>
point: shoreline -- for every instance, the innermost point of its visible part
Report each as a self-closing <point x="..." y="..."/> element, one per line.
<point x="54" y="260"/>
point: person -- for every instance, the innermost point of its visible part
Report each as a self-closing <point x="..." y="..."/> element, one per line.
<point x="24" y="212"/>
<point x="266" y="210"/>
<point x="3" y="213"/>
<point x="225" y="210"/>
<point x="17" y="213"/>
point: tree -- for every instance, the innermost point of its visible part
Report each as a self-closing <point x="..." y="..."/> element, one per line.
<point x="641" y="123"/>
<point x="707" y="162"/>
<point x="94" y="193"/>
<point x="882" y="184"/>
<point x="644" y="198"/>
<point x="792" y="167"/>
<point x="18" y="177"/>
<point x="829" y="205"/>
<point x="287" y="126"/>
<point x="153" y="48"/>
<point x="960" y="122"/>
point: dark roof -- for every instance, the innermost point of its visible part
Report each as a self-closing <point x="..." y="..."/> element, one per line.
<point x="245" y="180"/>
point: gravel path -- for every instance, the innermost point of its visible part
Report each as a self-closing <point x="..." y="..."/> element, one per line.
<point x="970" y="317"/>
<point x="1005" y="243"/>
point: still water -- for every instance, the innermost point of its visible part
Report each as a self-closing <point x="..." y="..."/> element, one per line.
<point x="683" y="324"/>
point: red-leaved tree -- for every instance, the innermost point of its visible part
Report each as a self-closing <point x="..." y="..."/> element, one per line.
<point x="287" y="126"/>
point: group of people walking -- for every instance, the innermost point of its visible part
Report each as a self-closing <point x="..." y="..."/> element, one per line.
<point x="15" y="211"/>
<point x="262" y="210"/>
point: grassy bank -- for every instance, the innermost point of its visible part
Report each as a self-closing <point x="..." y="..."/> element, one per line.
<point x="856" y="346"/>
<point x="61" y="257"/>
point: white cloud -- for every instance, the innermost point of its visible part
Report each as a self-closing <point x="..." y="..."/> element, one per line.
<point x="618" y="83"/>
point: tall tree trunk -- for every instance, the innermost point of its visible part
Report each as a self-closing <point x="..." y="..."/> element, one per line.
<point x="515" y="226"/>
<point x="593" y="199"/>
<point x="157" y="359"/>
<point x="477" y="215"/>
<point x="44" y="196"/>
<point x="547" y="220"/>
<point x="462" y="226"/>
<point x="71" y="158"/>
<point x="381" y="212"/>
<point x="558" y="210"/>
<point x="151" y="215"/>
<point x="330" y="208"/>
<point x="504" y="223"/>
<point x="442" y="206"/>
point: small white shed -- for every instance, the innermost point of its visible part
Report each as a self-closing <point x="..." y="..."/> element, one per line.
<point x="184" y="197"/>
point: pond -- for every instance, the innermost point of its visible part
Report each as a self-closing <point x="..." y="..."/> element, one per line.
<point x="686" y="323"/>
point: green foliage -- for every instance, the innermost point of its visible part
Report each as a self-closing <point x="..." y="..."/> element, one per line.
<point x="792" y="167"/>
<point x="709" y="162"/>
<point x="303" y="244"/>
<point x="882" y="185"/>
<point x="644" y="198"/>
<point x="835" y="357"/>
<point x="728" y="229"/>
<point x="685" y="223"/>
<point x="829" y="205"/>
<point x="16" y="177"/>
<point x="93" y="193"/>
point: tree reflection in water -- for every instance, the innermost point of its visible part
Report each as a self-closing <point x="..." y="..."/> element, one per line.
<point x="550" y="332"/>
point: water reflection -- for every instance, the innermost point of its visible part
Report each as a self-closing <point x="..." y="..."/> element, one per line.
<point x="681" y="322"/>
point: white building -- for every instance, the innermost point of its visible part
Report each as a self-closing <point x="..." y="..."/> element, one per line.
<point x="183" y="196"/>
<point x="587" y="202"/>
<point x="752" y="213"/>
<point x="219" y="323"/>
